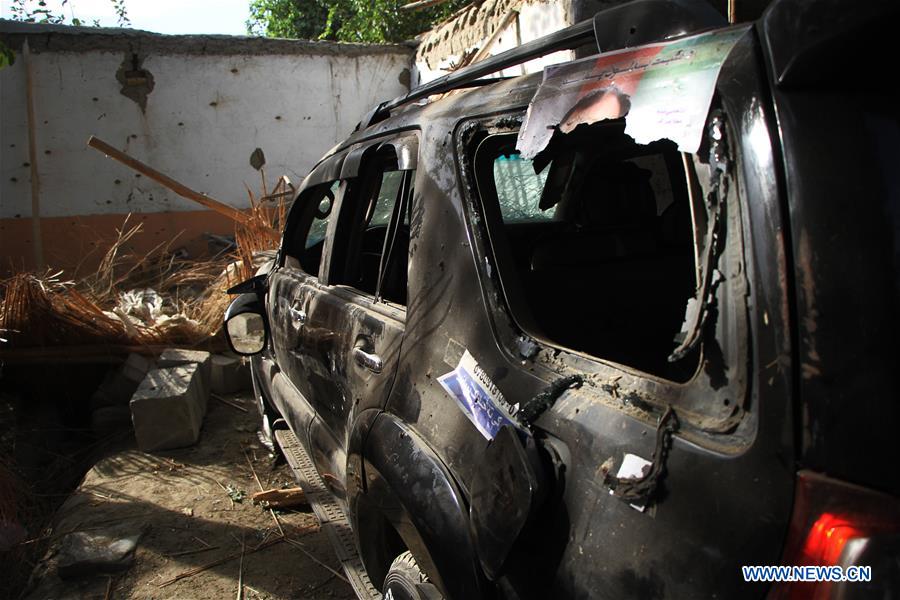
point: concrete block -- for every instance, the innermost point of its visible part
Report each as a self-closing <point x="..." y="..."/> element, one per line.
<point x="120" y="384"/>
<point x="230" y="374"/>
<point x="176" y="357"/>
<point x="167" y="408"/>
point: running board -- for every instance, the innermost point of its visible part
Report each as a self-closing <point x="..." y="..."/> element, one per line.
<point x="331" y="516"/>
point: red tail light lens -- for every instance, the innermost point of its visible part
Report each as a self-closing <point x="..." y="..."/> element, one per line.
<point x="839" y="524"/>
<point x="827" y="538"/>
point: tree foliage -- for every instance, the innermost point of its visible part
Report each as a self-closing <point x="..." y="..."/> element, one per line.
<point x="376" y="21"/>
<point x="7" y="56"/>
<point x="38" y="11"/>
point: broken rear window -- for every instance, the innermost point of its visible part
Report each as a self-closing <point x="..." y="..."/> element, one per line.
<point x="519" y="189"/>
<point x="594" y="243"/>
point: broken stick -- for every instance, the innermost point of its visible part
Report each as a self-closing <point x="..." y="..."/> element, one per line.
<point x="177" y="187"/>
<point x="278" y="498"/>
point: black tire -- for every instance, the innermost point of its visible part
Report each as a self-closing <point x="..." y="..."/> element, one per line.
<point x="406" y="581"/>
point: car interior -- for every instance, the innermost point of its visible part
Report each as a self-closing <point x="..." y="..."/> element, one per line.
<point x="372" y="238"/>
<point x="594" y="243"/>
<point x="371" y="235"/>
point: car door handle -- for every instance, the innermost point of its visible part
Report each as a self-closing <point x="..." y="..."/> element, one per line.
<point x="370" y="361"/>
<point x="298" y="314"/>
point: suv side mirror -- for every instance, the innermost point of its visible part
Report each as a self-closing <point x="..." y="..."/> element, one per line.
<point x="245" y="325"/>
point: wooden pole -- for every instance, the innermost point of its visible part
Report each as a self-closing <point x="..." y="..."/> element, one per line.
<point x="36" y="238"/>
<point x="179" y="188"/>
<point x="485" y="50"/>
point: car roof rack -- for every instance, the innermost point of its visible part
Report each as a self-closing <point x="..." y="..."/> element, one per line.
<point x="631" y="24"/>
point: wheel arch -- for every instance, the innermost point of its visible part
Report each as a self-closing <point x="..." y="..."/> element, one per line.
<point x="399" y="491"/>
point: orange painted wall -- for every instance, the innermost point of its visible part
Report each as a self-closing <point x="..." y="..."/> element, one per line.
<point x="77" y="244"/>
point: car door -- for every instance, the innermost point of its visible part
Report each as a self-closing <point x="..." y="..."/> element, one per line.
<point x="293" y="384"/>
<point x="347" y="324"/>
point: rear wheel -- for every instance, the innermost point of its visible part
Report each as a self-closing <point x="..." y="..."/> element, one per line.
<point x="406" y="581"/>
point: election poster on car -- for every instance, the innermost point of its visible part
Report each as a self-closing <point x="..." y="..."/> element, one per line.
<point x="478" y="397"/>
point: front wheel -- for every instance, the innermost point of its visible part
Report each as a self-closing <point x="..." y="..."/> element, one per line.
<point x="406" y="581"/>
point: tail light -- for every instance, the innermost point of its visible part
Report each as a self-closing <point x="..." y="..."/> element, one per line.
<point x="839" y="524"/>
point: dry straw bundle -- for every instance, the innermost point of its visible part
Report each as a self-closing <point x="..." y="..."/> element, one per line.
<point x="187" y="297"/>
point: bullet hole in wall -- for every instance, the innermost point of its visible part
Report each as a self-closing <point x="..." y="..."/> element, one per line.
<point x="137" y="82"/>
<point x="405" y="78"/>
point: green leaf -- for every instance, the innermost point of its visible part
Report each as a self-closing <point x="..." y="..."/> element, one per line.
<point x="7" y="56"/>
<point x="377" y="21"/>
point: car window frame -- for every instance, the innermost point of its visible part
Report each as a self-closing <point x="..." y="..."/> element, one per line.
<point x="512" y="338"/>
<point x="302" y="215"/>
<point x="342" y="165"/>
<point x="405" y="146"/>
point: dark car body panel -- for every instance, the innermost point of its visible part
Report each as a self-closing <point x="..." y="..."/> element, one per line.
<point x="845" y="234"/>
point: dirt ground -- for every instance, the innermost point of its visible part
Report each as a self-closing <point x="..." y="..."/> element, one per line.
<point x="177" y="502"/>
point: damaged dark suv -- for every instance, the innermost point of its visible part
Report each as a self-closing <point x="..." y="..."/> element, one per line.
<point x="624" y="329"/>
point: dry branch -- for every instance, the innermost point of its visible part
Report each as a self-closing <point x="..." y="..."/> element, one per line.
<point x="102" y="313"/>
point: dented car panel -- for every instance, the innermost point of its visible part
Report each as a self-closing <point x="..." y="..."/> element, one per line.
<point x="456" y="425"/>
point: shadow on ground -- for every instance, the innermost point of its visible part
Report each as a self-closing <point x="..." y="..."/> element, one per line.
<point x="179" y="502"/>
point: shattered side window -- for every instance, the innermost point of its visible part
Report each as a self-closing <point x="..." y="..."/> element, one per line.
<point x="307" y="226"/>
<point x="371" y="247"/>
<point x="321" y="218"/>
<point x="519" y="188"/>
<point x="386" y="199"/>
<point x="596" y="250"/>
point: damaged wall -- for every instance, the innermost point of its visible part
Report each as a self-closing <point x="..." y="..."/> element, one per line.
<point x="194" y="107"/>
<point x="514" y="22"/>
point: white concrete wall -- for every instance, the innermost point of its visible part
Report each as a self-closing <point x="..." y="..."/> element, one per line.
<point x="204" y="116"/>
